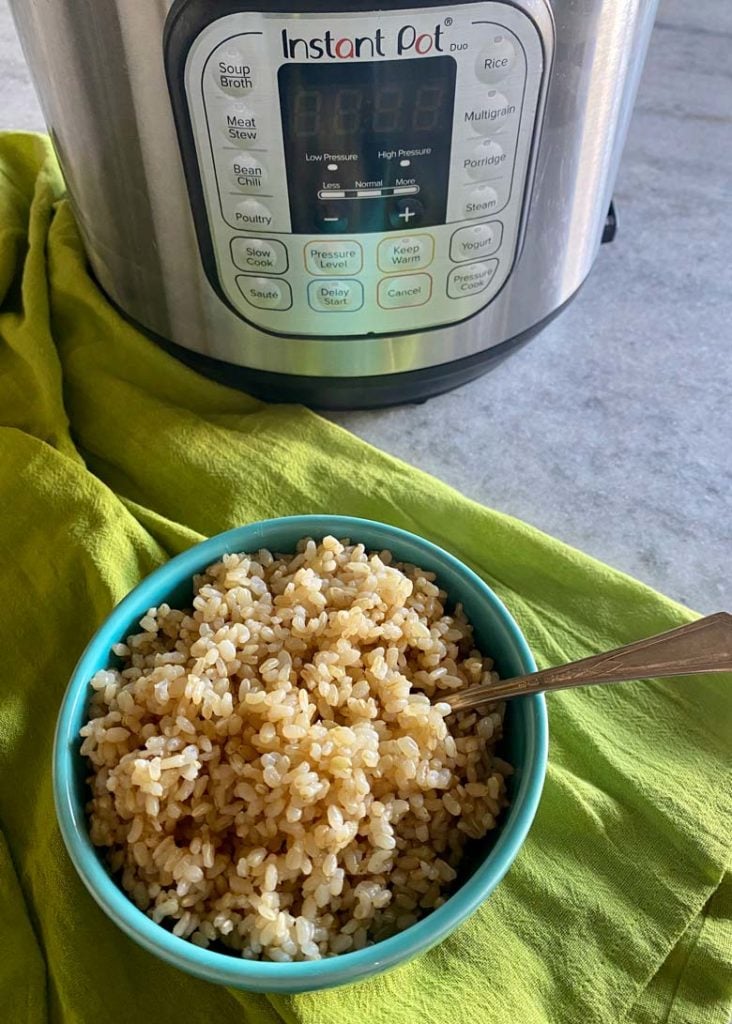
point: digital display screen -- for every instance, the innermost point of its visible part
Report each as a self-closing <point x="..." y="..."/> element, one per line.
<point x="380" y="127"/>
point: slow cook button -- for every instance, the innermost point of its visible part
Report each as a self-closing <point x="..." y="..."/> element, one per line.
<point x="252" y="214"/>
<point x="232" y="71"/>
<point x="335" y="296"/>
<point x="409" y="253"/>
<point x="496" y="59"/>
<point x="344" y="257"/>
<point x="466" y="281"/>
<point x="265" y="292"/>
<point x="490" y="114"/>
<point x="247" y="174"/>
<point x="259" y="255"/>
<point x="410" y="290"/>
<point x="474" y="242"/>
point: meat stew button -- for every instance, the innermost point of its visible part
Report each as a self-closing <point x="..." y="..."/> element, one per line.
<point x="471" y="279"/>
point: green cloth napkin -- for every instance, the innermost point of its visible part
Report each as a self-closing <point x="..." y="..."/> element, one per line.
<point x="113" y="457"/>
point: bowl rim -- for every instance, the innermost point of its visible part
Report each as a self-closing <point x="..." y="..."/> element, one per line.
<point x="270" y="976"/>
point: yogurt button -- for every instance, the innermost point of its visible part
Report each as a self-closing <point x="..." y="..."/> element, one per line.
<point x="471" y="279"/>
<point x="265" y="292"/>
<point x="335" y="296"/>
<point x="474" y="242"/>
<point x="496" y="59"/>
<point x="259" y="255"/>
<point x="247" y="174"/>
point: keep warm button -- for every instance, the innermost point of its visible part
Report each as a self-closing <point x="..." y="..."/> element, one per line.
<point x="465" y="281"/>
<point x="335" y="296"/>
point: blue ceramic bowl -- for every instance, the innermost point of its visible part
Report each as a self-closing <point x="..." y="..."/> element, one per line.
<point x="485" y="865"/>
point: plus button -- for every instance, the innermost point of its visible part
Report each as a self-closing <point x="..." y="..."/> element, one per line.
<point x="407" y="214"/>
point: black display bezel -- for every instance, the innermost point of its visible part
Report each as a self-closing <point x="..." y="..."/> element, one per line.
<point x="185" y="21"/>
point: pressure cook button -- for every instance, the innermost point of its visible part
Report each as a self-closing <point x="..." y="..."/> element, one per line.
<point x="344" y="257"/>
<point x="411" y="252"/>
<point x="247" y="174"/>
<point x="486" y="160"/>
<point x="252" y="214"/>
<point x="496" y="59"/>
<point x="490" y="114"/>
<point x="239" y="125"/>
<point x="475" y="242"/>
<point x="465" y="281"/>
<point x="232" y="71"/>
<point x="481" y="202"/>
<point x="265" y="292"/>
<point x="335" y="296"/>
<point x="409" y="290"/>
<point x="259" y="255"/>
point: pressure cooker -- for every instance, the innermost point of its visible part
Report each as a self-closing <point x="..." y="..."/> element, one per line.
<point x="337" y="203"/>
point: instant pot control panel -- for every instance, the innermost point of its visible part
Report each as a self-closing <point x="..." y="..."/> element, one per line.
<point x="358" y="173"/>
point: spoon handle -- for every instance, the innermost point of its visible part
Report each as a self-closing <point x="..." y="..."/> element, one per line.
<point x="701" y="646"/>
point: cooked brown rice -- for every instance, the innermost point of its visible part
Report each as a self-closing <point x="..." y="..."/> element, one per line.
<point x="268" y="770"/>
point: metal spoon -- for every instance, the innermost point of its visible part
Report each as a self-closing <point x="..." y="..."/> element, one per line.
<point x="701" y="646"/>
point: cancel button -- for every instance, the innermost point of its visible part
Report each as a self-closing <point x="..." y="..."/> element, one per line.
<point x="409" y="290"/>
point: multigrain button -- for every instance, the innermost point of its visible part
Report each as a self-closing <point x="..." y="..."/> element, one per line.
<point x="335" y="296"/>
<point x="259" y="255"/>
<point x="495" y="60"/>
<point x="411" y="252"/>
<point x="475" y="242"/>
<point x="247" y="174"/>
<point x="409" y="290"/>
<point x="232" y="71"/>
<point x="343" y="257"/>
<point x="485" y="160"/>
<point x="471" y="279"/>
<point x="240" y="125"/>
<point x="481" y="202"/>
<point x="265" y="292"/>
<point x="252" y="214"/>
<point x="490" y="114"/>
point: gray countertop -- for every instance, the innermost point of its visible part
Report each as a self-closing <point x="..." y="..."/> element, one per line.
<point x="613" y="429"/>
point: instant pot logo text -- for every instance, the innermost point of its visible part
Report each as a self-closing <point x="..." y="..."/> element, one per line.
<point x="406" y="41"/>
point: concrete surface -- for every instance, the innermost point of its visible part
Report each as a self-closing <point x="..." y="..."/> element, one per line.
<point x="613" y="429"/>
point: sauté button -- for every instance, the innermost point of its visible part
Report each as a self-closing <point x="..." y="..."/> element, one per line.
<point x="343" y="257"/>
<point x="411" y="252"/>
<point x="474" y="242"/>
<point x="247" y="174"/>
<point x="469" y="280"/>
<point x="259" y="255"/>
<point x="265" y="292"/>
<point x="496" y="59"/>
<point x="239" y="125"/>
<point x="335" y="296"/>
<point x="251" y="213"/>
<point x="481" y="202"/>
<point x="232" y="71"/>
<point x="409" y="290"/>
<point x="486" y="160"/>
<point x="490" y="114"/>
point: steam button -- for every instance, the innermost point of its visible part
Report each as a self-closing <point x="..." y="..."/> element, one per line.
<point x="481" y="202"/>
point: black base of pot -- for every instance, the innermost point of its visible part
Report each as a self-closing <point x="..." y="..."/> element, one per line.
<point x="413" y="386"/>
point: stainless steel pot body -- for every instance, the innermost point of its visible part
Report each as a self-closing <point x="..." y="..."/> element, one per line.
<point x="100" y="73"/>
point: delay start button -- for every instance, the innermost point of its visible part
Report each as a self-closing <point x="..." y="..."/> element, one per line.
<point x="409" y="290"/>
<point x="335" y="296"/>
<point x="343" y="257"/>
<point x="259" y="255"/>
<point x="465" y="281"/>
<point x="265" y="292"/>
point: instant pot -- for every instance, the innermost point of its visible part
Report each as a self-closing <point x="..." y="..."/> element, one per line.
<point x="333" y="203"/>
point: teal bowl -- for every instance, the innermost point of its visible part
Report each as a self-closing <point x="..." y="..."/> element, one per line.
<point x="525" y="746"/>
